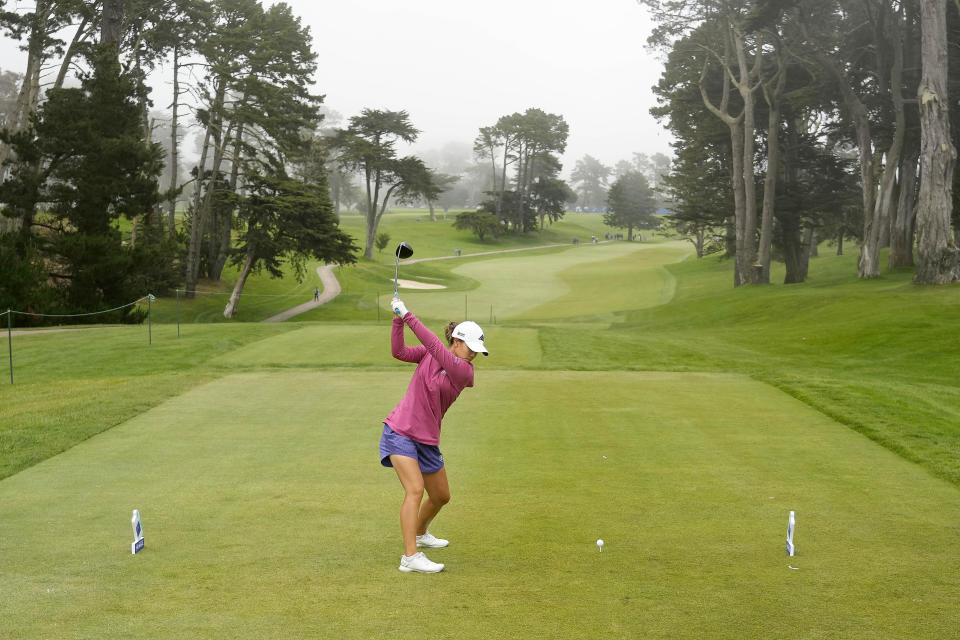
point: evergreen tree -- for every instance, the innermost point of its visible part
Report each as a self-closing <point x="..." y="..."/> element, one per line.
<point x="285" y="220"/>
<point x="368" y="145"/>
<point x="93" y="168"/>
<point x="632" y="204"/>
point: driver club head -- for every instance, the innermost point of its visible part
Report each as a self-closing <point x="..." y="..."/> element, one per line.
<point x="404" y="251"/>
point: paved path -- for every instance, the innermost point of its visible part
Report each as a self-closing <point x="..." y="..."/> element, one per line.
<point x="331" y="289"/>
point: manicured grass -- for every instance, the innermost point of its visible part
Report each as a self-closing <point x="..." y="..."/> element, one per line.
<point x="511" y="285"/>
<point x="629" y="396"/>
<point x="266" y="513"/>
<point x="877" y="356"/>
<point x="264" y="296"/>
<point x="432" y="239"/>
<point x="353" y="346"/>
<point x="71" y="386"/>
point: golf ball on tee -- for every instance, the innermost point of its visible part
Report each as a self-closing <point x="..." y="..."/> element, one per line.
<point x="600" y="544"/>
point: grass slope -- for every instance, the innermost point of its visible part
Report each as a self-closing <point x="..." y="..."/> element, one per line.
<point x="265" y="526"/>
<point x="875" y="355"/>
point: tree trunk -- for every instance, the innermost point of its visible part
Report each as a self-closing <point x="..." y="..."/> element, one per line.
<point x="867" y="263"/>
<point x="203" y="200"/>
<point x="371" y="237"/>
<point x="729" y="237"/>
<point x="231" y="309"/>
<point x="773" y="163"/>
<point x="938" y="259"/>
<point x="794" y="252"/>
<point x="174" y="144"/>
<point x="806" y="248"/>
<point x="747" y="248"/>
<point x="523" y="168"/>
<point x="29" y="95"/>
<point x="375" y="214"/>
<point x="736" y="179"/>
<point x="503" y="178"/>
<point x="225" y="237"/>
<point x="79" y="36"/>
<point x="902" y="222"/>
<point x="433" y="215"/>
<point x="197" y="222"/>
<point x="335" y="194"/>
<point x="884" y="206"/>
<point x="735" y="125"/>
<point x="212" y="213"/>
<point x="112" y="25"/>
<point x="371" y="215"/>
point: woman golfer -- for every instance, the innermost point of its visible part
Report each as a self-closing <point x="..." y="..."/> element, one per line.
<point x="412" y="430"/>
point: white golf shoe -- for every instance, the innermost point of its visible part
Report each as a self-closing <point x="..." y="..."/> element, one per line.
<point x="428" y="541"/>
<point x="419" y="563"/>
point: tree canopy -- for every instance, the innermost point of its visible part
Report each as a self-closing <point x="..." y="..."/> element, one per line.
<point x="632" y="204"/>
<point x="368" y="146"/>
<point x="797" y="88"/>
<point x="79" y="167"/>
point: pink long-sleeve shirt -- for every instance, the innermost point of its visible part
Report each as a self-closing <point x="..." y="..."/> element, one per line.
<point x="438" y="380"/>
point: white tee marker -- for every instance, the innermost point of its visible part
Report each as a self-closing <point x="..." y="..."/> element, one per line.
<point x="791" y="525"/>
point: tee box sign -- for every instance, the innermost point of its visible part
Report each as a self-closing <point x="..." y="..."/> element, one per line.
<point x="137" y="545"/>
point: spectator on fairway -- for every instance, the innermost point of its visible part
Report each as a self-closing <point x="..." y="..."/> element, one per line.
<point x="411" y="433"/>
<point x="316" y="294"/>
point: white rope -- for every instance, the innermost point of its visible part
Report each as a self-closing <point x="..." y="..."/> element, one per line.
<point x="250" y="295"/>
<point x="75" y="315"/>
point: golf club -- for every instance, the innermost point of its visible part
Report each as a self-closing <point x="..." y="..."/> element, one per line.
<point x="403" y="251"/>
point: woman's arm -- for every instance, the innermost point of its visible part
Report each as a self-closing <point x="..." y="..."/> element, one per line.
<point x="399" y="349"/>
<point x="459" y="371"/>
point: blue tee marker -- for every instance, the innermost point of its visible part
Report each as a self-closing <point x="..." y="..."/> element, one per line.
<point x="137" y="544"/>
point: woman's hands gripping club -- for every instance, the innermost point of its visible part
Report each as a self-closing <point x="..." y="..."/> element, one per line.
<point x="398" y="307"/>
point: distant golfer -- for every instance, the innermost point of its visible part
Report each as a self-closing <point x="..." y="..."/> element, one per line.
<point x="316" y="294"/>
<point x="411" y="432"/>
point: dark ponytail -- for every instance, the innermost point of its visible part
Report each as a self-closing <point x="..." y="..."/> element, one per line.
<point x="449" y="332"/>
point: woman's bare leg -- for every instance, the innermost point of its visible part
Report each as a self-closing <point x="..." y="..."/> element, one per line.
<point x="408" y="470"/>
<point x="438" y="494"/>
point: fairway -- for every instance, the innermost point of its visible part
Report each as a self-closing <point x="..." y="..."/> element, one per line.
<point x="266" y="514"/>
<point x="588" y="280"/>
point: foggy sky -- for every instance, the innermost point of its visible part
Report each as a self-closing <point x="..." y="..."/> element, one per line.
<point x="458" y="66"/>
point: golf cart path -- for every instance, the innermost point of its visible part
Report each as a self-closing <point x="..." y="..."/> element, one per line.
<point x="331" y="286"/>
<point x="331" y="289"/>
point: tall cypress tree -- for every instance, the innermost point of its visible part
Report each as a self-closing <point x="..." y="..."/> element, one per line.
<point x="93" y="168"/>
